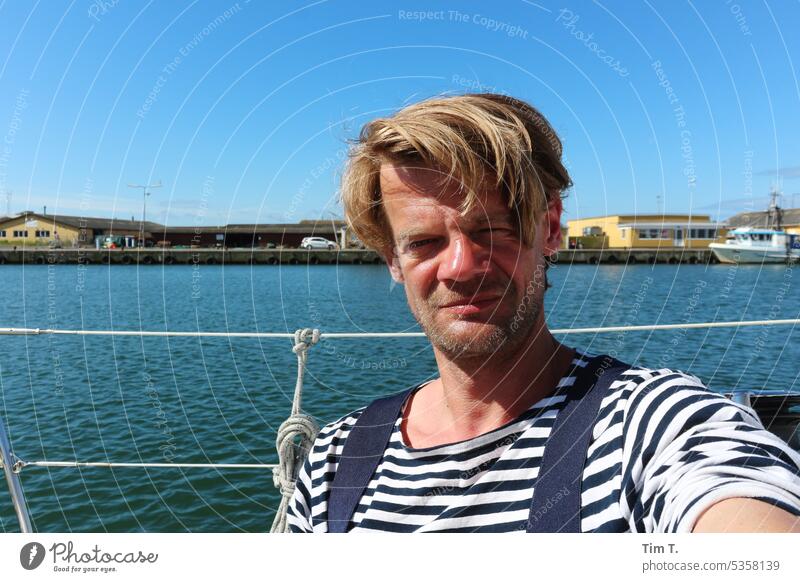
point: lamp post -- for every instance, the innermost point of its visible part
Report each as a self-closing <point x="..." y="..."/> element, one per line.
<point x="342" y="243"/>
<point x="145" y="194"/>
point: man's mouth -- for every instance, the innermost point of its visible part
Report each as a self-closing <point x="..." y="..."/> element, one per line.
<point x="470" y="305"/>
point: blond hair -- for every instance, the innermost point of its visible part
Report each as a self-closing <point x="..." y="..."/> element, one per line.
<point x="476" y="140"/>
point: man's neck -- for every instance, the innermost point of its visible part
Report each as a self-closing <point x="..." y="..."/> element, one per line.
<point x="474" y="396"/>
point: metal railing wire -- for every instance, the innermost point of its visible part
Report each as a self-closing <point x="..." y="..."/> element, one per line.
<point x="296" y="435"/>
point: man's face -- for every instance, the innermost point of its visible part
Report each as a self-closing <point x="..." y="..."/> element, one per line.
<point x="471" y="283"/>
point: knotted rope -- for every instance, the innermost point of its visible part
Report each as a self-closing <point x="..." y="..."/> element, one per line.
<point x="292" y="454"/>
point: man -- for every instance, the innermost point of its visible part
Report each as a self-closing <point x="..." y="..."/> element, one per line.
<point x="462" y="196"/>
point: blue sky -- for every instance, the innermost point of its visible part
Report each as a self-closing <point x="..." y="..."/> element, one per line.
<point x="243" y="109"/>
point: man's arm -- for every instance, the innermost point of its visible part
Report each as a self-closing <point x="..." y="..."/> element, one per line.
<point x="741" y="514"/>
<point x="700" y="462"/>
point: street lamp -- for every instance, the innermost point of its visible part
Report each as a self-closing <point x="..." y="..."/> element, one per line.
<point x="145" y="194"/>
<point x="343" y="242"/>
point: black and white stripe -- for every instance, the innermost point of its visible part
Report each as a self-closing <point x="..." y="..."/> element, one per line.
<point x="664" y="448"/>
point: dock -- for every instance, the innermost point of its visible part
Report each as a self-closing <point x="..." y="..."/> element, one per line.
<point x="247" y="256"/>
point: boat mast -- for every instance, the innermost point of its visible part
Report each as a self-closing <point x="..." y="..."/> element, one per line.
<point x="774" y="218"/>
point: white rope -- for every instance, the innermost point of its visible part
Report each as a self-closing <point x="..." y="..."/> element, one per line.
<point x="139" y="333"/>
<point x="703" y="325"/>
<point x="356" y="335"/>
<point x="20" y="464"/>
<point x="292" y="454"/>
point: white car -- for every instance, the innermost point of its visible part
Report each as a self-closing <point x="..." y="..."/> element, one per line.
<point x="317" y="242"/>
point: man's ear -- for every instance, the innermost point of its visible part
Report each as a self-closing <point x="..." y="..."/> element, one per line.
<point x="393" y="262"/>
<point x="552" y="220"/>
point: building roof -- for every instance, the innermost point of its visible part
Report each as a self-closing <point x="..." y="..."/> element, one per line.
<point x="88" y="222"/>
<point x="337" y="221"/>
<point x="116" y="224"/>
<point x="303" y="226"/>
<point x="789" y="216"/>
<point x="249" y="229"/>
<point x="649" y="217"/>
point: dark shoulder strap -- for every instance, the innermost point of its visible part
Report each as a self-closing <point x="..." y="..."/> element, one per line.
<point x="362" y="452"/>
<point x="557" y="497"/>
<point x="556" y="504"/>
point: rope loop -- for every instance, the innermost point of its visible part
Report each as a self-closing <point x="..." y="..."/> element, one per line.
<point x="296" y="434"/>
<point x="291" y="453"/>
<point x="304" y="339"/>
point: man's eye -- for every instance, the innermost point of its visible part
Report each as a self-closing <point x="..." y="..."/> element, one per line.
<point x="418" y="244"/>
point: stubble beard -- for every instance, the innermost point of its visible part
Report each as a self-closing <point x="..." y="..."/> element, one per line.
<point x="471" y="338"/>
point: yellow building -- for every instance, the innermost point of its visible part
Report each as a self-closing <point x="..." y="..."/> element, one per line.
<point x="627" y="231"/>
<point x="34" y="229"/>
<point x="30" y="229"/>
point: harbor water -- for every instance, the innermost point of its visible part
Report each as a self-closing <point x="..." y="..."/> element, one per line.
<point x="221" y="400"/>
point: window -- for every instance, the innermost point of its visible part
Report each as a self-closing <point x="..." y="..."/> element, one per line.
<point x="653" y="233"/>
<point x="42" y="234"/>
<point x="622" y="232"/>
<point x="2" y="234"/>
<point x="704" y="233"/>
<point x="20" y="234"/>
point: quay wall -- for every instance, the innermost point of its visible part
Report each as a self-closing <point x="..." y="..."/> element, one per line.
<point x="89" y="256"/>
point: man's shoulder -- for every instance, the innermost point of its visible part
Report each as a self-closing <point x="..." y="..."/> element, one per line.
<point x="637" y="385"/>
<point x="647" y="394"/>
<point x="339" y="427"/>
<point x="637" y="377"/>
<point x="334" y="433"/>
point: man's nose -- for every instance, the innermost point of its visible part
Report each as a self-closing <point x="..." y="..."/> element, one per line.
<point x="462" y="259"/>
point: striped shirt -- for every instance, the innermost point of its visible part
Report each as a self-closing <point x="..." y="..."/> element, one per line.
<point x="664" y="448"/>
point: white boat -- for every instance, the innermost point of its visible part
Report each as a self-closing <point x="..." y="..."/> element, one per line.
<point x="758" y="245"/>
<point x="770" y="244"/>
